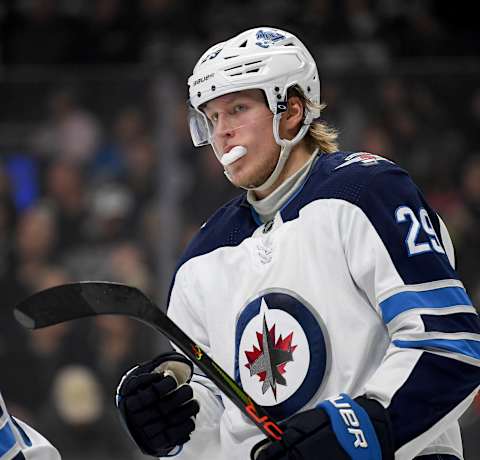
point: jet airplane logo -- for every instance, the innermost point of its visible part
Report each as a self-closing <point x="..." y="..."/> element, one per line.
<point x="270" y="359"/>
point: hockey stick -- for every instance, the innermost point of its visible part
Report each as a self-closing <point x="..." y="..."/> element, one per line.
<point x="91" y="298"/>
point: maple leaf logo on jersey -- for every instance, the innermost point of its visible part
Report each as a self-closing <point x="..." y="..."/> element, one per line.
<point x="269" y="360"/>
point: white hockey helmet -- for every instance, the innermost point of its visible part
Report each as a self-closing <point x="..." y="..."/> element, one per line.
<point x="264" y="58"/>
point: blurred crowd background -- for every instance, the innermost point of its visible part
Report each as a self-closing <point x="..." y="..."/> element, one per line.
<point x="99" y="179"/>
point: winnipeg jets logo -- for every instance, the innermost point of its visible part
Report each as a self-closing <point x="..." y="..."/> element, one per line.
<point x="270" y="359"/>
<point x="364" y="158"/>
<point x="266" y="38"/>
<point x="282" y="351"/>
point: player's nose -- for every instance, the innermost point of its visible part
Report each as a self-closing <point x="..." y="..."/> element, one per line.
<point x="224" y="127"/>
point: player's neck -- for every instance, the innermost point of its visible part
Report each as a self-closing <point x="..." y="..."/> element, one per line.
<point x="299" y="155"/>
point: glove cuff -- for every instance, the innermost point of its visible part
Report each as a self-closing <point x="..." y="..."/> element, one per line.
<point x="361" y="427"/>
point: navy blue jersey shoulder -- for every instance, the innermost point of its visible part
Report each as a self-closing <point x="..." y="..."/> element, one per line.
<point x="381" y="188"/>
<point x="340" y="175"/>
<point x="228" y="226"/>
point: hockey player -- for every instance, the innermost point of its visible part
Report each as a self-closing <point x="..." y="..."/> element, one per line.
<point x="327" y="290"/>
<point x="18" y="441"/>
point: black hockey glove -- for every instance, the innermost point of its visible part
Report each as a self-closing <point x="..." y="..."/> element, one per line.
<point x="338" y="429"/>
<point x="156" y="403"/>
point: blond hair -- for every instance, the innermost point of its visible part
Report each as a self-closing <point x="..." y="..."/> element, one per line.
<point x="320" y="135"/>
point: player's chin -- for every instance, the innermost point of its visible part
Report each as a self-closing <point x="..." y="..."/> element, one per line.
<point x="248" y="182"/>
<point x="238" y="175"/>
<point x="237" y="180"/>
<point x="246" y="175"/>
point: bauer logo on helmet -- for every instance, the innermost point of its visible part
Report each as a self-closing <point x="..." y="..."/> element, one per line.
<point x="203" y="79"/>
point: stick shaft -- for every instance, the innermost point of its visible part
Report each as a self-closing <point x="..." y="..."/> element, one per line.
<point x="162" y="323"/>
<point x="93" y="298"/>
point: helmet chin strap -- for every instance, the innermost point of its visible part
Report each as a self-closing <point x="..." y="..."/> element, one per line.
<point x="285" y="149"/>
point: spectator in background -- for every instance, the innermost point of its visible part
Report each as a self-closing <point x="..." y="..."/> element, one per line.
<point x="110" y="208"/>
<point x="128" y="128"/>
<point x="71" y="133"/>
<point x="65" y="195"/>
<point x="129" y="266"/>
<point x="36" y="241"/>
<point x="79" y="420"/>
<point x="140" y="174"/>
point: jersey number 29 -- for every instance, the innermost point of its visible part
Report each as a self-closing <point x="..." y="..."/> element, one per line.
<point x="405" y="214"/>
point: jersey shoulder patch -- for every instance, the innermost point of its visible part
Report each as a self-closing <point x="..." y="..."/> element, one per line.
<point x="362" y="158"/>
<point x="345" y="175"/>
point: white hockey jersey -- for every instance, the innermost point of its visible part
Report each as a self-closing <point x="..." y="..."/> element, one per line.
<point x="18" y="441"/>
<point x="350" y="289"/>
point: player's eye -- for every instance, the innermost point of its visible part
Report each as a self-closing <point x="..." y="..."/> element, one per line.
<point x="213" y="117"/>
<point x="238" y="108"/>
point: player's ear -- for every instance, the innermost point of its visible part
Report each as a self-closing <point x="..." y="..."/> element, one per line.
<point x="292" y="119"/>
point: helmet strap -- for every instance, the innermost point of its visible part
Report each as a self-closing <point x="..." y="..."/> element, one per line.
<point x="285" y="149"/>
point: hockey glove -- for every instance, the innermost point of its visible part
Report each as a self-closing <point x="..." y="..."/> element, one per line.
<point x="156" y="403"/>
<point x="338" y="429"/>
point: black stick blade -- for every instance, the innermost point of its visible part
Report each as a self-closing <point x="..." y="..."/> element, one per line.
<point x="80" y="300"/>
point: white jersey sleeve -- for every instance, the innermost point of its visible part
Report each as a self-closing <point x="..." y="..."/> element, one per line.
<point x="19" y="441"/>
<point x="400" y="255"/>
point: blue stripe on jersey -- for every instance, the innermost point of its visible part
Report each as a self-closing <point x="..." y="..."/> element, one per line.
<point x="7" y="439"/>
<point x="435" y="386"/>
<point x="455" y="322"/>
<point x="465" y="347"/>
<point x="435" y="298"/>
